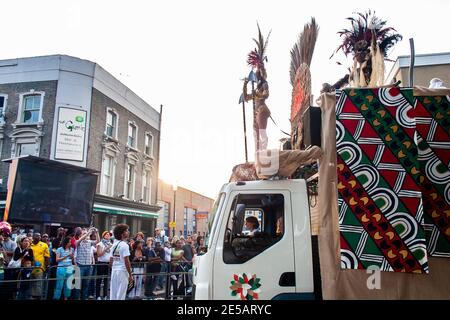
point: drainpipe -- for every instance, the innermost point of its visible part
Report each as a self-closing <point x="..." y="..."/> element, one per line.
<point x="411" y="63"/>
<point x="158" y="157"/>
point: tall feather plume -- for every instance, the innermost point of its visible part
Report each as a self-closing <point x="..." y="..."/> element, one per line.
<point x="303" y="49"/>
<point x="365" y="26"/>
<point x="300" y="78"/>
<point x="257" y="56"/>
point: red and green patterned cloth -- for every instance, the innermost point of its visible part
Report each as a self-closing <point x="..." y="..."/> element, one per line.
<point x="382" y="179"/>
<point x="432" y="116"/>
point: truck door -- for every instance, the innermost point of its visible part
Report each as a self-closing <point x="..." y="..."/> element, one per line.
<point x="255" y="265"/>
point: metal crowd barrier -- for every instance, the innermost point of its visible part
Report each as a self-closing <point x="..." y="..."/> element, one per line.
<point x="176" y="284"/>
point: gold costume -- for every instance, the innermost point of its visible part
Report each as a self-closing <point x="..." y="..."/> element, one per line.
<point x="262" y="112"/>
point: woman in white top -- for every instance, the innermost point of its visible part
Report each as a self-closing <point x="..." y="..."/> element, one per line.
<point x="121" y="273"/>
<point x="103" y="256"/>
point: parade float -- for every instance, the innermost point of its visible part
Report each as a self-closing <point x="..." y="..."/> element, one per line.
<point x="380" y="177"/>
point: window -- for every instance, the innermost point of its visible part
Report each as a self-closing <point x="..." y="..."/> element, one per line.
<point x="165" y="209"/>
<point x="132" y="135"/>
<point x="129" y="183"/>
<point x="111" y="124"/>
<point x="189" y="222"/>
<point x="146" y="186"/>
<point x="194" y="225"/>
<point x="255" y="223"/>
<point x="213" y="217"/>
<point x="149" y="144"/>
<point x="107" y="176"/>
<point x="24" y="149"/>
<point x="185" y="221"/>
<point x="31" y="108"/>
<point x="2" y="105"/>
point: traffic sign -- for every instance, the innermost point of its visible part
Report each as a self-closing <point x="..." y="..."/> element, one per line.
<point x="172" y="224"/>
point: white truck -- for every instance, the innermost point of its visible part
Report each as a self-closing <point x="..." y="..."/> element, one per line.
<point x="276" y="262"/>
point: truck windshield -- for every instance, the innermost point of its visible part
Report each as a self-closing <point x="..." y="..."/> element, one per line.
<point x="212" y="217"/>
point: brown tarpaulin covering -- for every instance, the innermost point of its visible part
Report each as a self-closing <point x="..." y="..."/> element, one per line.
<point x="423" y="91"/>
<point x="352" y="284"/>
<point x="244" y="172"/>
<point x="289" y="161"/>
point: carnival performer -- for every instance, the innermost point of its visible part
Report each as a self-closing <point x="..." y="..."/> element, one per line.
<point x="260" y="93"/>
<point x="262" y="112"/>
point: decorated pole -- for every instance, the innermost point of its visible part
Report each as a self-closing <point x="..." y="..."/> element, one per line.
<point x="252" y="78"/>
<point x="242" y="99"/>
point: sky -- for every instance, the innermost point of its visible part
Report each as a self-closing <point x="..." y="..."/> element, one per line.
<point x="190" y="56"/>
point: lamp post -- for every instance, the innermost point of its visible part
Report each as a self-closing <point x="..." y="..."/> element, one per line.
<point x="174" y="188"/>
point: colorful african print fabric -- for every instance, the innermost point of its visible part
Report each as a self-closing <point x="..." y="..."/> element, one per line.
<point x="432" y="116"/>
<point x="381" y="215"/>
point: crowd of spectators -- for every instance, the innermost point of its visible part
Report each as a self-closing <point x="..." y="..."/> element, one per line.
<point x="78" y="265"/>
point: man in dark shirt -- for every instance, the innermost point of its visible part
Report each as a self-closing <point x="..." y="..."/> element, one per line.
<point x="24" y="277"/>
<point x="154" y="257"/>
<point x="188" y="250"/>
<point x="189" y="255"/>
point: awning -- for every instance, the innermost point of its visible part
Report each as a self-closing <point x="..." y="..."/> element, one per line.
<point x="111" y="209"/>
<point x="202" y="214"/>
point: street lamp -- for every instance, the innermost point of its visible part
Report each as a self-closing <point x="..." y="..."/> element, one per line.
<point x="174" y="188"/>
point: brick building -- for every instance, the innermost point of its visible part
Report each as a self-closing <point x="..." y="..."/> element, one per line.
<point x="45" y="100"/>
<point x="192" y="210"/>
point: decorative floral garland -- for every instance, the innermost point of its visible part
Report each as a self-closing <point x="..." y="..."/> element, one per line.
<point x="245" y="288"/>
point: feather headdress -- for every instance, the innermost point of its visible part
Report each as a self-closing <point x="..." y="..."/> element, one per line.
<point x="257" y="56"/>
<point x="366" y="29"/>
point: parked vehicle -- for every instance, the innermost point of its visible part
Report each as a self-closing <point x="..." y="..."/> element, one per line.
<point x="274" y="263"/>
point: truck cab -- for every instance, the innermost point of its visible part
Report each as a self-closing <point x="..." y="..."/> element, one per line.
<point x="275" y="261"/>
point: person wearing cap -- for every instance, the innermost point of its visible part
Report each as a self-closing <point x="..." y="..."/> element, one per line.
<point x="103" y="256"/>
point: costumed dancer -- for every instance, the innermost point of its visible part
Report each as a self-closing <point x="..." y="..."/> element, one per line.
<point x="260" y="93"/>
<point x="368" y="41"/>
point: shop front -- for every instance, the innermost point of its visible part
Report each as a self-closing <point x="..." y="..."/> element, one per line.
<point x="107" y="212"/>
